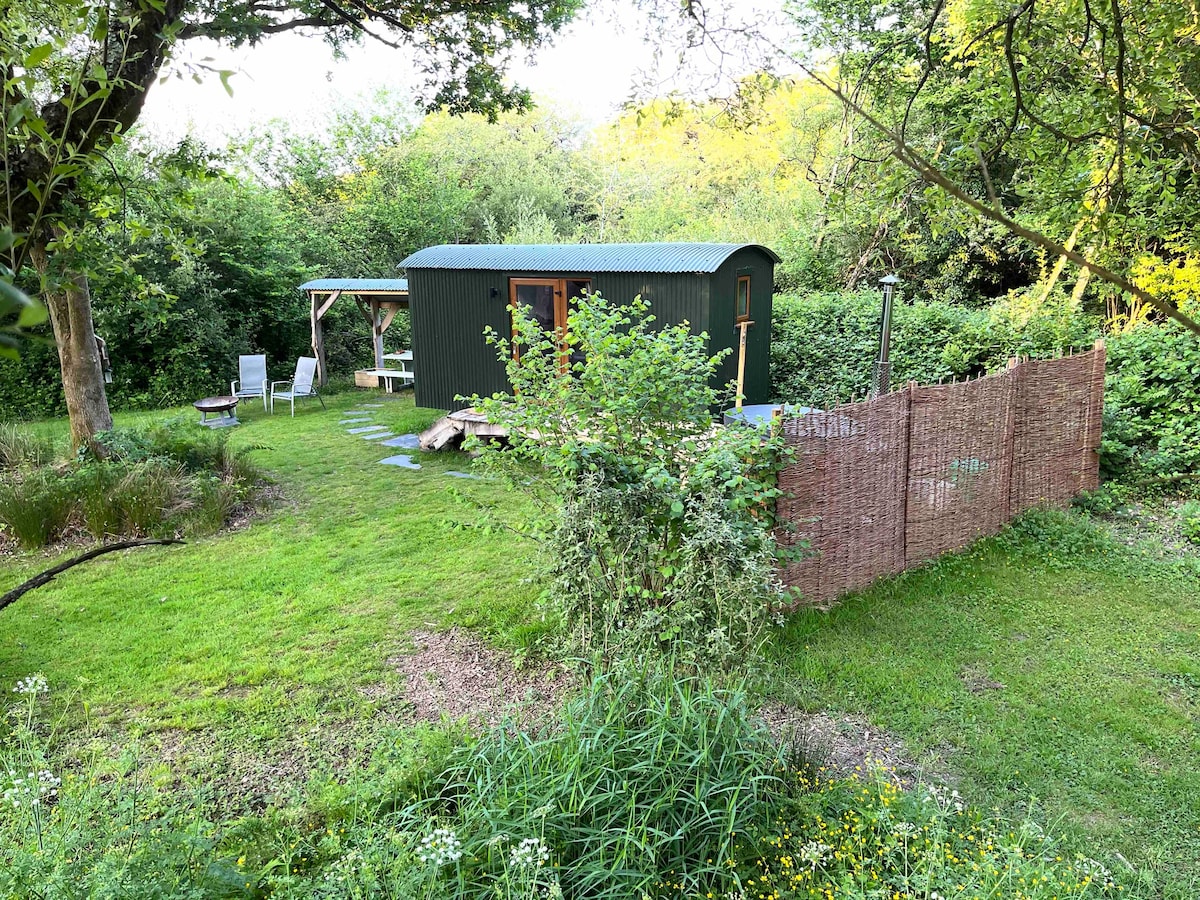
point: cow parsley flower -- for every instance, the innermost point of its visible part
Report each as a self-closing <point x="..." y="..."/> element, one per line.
<point x="29" y="791"/>
<point x="531" y="853"/>
<point x="440" y="848"/>
<point x="32" y="686"/>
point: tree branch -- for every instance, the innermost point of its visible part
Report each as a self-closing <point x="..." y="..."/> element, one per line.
<point x="45" y="577"/>
<point x="910" y="157"/>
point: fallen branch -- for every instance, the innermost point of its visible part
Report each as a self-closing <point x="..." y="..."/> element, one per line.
<point x="45" y="577"/>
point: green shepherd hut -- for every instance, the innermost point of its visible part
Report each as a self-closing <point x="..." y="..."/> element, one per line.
<point x="456" y="290"/>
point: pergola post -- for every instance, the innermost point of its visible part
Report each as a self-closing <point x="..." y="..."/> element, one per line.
<point x="377" y="332"/>
<point x="318" y="336"/>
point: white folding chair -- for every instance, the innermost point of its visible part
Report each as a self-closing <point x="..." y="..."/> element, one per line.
<point x="252" y="379"/>
<point x="300" y="386"/>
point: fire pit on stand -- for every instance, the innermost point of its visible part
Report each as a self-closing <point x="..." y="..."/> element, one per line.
<point x="225" y="408"/>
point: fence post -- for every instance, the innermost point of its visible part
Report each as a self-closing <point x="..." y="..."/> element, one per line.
<point x="1008" y="450"/>
<point x="905" y="458"/>
<point x="1092" y="425"/>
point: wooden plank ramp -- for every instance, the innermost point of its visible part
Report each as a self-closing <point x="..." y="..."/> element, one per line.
<point x="453" y="428"/>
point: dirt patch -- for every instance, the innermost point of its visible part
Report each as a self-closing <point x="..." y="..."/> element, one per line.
<point x="845" y="744"/>
<point x="454" y="676"/>
<point x="976" y="679"/>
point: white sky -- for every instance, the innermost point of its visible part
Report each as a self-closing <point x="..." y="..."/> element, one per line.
<point x="588" y="71"/>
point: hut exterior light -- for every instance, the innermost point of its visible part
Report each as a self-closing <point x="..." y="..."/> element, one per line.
<point x="881" y="378"/>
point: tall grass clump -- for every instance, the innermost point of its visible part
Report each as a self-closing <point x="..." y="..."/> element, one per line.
<point x="164" y="479"/>
<point x="19" y="447"/>
<point x="35" y="506"/>
<point x="641" y="786"/>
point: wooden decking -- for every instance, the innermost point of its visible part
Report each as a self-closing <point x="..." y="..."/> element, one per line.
<point x="452" y="428"/>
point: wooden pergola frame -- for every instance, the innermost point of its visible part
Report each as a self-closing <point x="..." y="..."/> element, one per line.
<point x="378" y="307"/>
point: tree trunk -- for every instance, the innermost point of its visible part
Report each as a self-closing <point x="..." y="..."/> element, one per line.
<point x="70" y="306"/>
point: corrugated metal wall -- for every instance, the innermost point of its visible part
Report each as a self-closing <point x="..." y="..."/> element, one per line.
<point x="451" y="308"/>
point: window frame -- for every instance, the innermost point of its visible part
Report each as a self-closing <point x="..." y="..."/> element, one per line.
<point x="738" y="315"/>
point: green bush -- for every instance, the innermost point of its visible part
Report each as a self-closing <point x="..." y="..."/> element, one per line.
<point x="656" y="527"/>
<point x="1152" y="405"/>
<point x="35" y="506"/>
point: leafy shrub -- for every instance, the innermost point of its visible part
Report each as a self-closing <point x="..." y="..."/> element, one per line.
<point x="35" y="506"/>
<point x="656" y="526"/>
<point x="1152" y="405"/>
<point x="642" y="786"/>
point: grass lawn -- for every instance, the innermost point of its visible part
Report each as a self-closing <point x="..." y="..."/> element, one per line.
<point x="267" y="629"/>
<point x="1049" y="668"/>
<point x="1046" y="669"/>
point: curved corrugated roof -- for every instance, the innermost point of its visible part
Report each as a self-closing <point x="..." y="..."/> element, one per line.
<point x="350" y="285"/>
<point x="581" y="258"/>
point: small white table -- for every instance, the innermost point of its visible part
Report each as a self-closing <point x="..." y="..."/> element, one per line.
<point x="404" y="373"/>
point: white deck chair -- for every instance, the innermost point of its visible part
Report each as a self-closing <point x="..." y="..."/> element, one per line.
<point x="252" y="379"/>
<point x="300" y="386"/>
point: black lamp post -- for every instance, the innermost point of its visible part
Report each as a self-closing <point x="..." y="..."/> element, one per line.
<point x="881" y="378"/>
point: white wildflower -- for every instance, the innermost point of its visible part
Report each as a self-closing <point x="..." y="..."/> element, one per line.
<point x="440" y="847"/>
<point x="30" y="790"/>
<point x="530" y="852"/>
<point x="813" y="853"/>
<point x="32" y="686"/>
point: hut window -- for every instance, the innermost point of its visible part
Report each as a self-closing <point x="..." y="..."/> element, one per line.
<point x="743" y="298"/>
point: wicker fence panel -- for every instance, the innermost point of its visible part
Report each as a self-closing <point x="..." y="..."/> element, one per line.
<point x="844" y="496"/>
<point x="1058" y="434"/>
<point x="879" y="486"/>
<point x="960" y="451"/>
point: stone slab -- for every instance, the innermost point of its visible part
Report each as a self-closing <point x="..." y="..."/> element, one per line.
<point x="461" y="474"/>
<point x="354" y="421"/>
<point x="376" y="435"/>
<point x="403" y="460"/>
<point x="408" y="441"/>
<point x="366" y="428"/>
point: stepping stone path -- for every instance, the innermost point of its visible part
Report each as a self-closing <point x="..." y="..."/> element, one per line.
<point x="462" y="475"/>
<point x="373" y="405"/>
<point x="403" y="460"/>
<point x="387" y="438"/>
<point x="408" y="441"/>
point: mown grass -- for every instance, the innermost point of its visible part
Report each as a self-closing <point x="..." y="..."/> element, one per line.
<point x="1051" y="668"/>
<point x="273" y="626"/>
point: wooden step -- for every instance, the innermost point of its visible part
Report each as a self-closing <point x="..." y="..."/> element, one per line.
<point x="452" y="428"/>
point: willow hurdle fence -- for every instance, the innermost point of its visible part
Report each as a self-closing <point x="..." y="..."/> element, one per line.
<point x="887" y="484"/>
